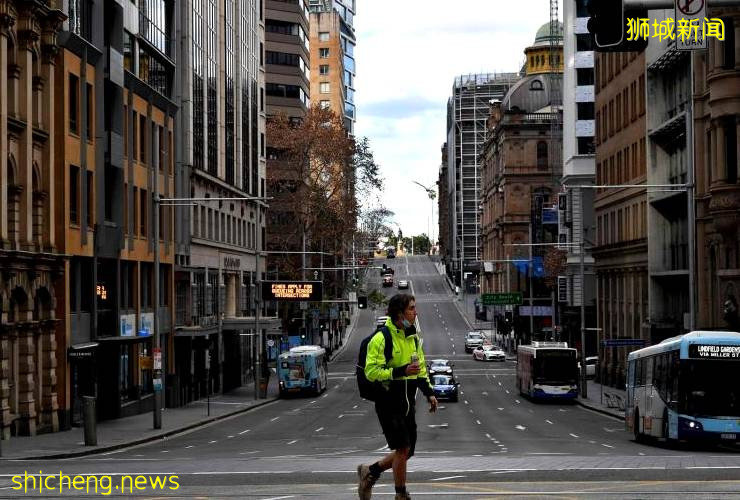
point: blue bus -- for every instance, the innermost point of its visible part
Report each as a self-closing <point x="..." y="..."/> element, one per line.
<point x="303" y="369"/>
<point x="686" y="388"/>
<point x="547" y="370"/>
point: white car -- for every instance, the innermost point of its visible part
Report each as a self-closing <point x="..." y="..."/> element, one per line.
<point x="473" y="340"/>
<point x="440" y="366"/>
<point x="403" y="284"/>
<point x="489" y="352"/>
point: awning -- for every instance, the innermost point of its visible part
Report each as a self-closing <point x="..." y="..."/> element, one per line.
<point x="124" y="339"/>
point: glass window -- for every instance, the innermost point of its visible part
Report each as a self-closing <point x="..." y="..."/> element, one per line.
<point x="325" y="104"/>
<point x="324" y="69"/>
<point x="584" y="76"/>
<point x="323" y="53"/>
<point x="74" y="103"/>
<point x="324" y="87"/>
<point x="74" y="194"/>
<point x="323" y="36"/>
<point x="585" y="111"/>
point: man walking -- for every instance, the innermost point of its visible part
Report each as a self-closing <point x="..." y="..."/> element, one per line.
<point x="403" y="374"/>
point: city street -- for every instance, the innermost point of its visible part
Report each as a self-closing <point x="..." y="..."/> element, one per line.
<point x="492" y="443"/>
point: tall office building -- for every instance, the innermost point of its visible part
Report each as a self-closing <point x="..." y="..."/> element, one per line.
<point x="576" y="223"/>
<point x="467" y="112"/>
<point x="287" y="89"/>
<point x="221" y="160"/>
<point x="333" y="57"/>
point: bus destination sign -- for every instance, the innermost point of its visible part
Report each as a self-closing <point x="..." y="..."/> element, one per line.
<point x="703" y="351"/>
<point x="309" y="291"/>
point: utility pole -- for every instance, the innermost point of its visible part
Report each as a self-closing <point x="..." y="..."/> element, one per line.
<point x="156" y="345"/>
<point x="584" y="388"/>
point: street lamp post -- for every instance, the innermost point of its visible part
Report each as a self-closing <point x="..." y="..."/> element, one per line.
<point x="432" y="195"/>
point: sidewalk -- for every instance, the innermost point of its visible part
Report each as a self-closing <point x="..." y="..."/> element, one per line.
<point x="137" y="429"/>
<point x="609" y="404"/>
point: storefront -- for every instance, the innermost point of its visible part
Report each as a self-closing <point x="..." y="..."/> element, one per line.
<point x="82" y="366"/>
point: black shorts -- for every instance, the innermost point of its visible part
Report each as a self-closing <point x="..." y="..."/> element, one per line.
<point x="399" y="430"/>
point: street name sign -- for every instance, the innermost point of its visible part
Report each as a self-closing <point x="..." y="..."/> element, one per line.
<point x="502" y="299"/>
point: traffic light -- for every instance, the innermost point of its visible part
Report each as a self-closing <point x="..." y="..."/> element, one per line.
<point x="608" y="26"/>
<point x="508" y="317"/>
<point x="362" y="302"/>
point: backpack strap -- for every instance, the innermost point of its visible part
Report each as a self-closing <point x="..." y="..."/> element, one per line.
<point x="388" y="350"/>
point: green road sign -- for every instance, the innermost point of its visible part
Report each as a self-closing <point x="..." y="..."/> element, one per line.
<point x="501" y="299"/>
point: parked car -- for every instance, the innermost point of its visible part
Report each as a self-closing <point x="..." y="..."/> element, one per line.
<point x="473" y="340"/>
<point x="403" y="284"/>
<point x="440" y="366"/>
<point x="391" y="253"/>
<point x="387" y="280"/>
<point x="489" y="352"/>
<point x="380" y="320"/>
<point x="445" y="387"/>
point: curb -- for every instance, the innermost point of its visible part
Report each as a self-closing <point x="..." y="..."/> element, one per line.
<point x="148" y="439"/>
<point x="599" y="410"/>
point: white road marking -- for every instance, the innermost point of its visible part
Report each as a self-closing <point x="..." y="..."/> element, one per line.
<point x="607" y="445"/>
<point x="229" y="437"/>
<point x="165" y="451"/>
<point x="452" y="477"/>
<point x="477" y="422"/>
<point x="485" y="393"/>
<point x="520" y="427"/>
<point x="499" y="382"/>
<point x="574" y="435"/>
<point x="273" y="419"/>
<point x="312" y="402"/>
<point x="548" y="422"/>
<point x="319" y="429"/>
<point x="340" y="416"/>
<point x="355" y="406"/>
<point x="500" y="409"/>
<point x="440" y="426"/>
<point x="293" y="442"/>
<point x="507" y="391"/>
<point x="244" y="431"/>
<point x="466" y="402"/>
<point x="279" y="498"/>
<point x="211" y="442"/>
<point x="488" y="436"/>
<point x="189" y="446"/>
<point x="518" y="402"/>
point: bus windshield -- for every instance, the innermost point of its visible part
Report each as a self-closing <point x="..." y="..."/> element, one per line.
<point x="710" y="388"/>
<point x="555" y="368"/>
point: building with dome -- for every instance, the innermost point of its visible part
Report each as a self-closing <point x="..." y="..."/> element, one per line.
<point x="521" y="170"/>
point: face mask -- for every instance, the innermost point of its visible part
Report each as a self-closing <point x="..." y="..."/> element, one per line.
<point x="406" y="323"/>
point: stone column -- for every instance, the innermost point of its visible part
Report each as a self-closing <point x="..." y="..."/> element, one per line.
<point x="230" y="311"/>
<point x="5" y="343"/>
<point x="26" y="380"/>
<point x="49" y="420"/>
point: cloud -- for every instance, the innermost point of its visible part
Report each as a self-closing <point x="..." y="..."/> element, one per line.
<point x="408" y="55"/>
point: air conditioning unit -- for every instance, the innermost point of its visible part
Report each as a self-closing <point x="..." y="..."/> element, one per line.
<point x="562" y="289"/>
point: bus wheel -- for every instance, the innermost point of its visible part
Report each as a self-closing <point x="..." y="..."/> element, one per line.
<point x="636" y="426"/>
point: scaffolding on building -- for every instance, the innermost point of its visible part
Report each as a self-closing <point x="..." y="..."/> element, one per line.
<point x="467" y="112"/>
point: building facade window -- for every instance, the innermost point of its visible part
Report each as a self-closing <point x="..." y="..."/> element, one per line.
<point x="324" y="53"/>
<point x="74" y="194"/>
<point x="74" y="103"/>
<point x="324" y="69"/>
<point x="542" y="155"/>
<point x="323" y="36"/>
<point x="324" y="88"/>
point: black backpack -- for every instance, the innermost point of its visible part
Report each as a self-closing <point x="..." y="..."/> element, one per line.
<point x="371" y="390"/>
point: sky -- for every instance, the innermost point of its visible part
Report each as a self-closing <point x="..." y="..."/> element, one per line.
<point x="407" y="57"/>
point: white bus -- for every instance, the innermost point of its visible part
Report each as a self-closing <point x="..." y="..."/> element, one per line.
<point x="303" y="369"/>
<point x="547" y="370"/>
<point x="686" y="388"/>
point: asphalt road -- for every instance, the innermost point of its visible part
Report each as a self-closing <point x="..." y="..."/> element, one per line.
<point x="492" y="443"/>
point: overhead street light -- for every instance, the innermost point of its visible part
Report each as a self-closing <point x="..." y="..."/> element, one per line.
<point x="432" y="194"/>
